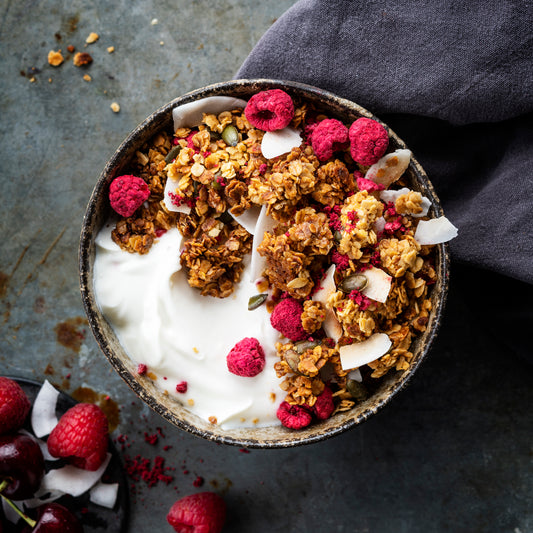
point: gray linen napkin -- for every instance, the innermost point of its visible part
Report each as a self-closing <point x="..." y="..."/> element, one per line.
<point x="454" y="80"/>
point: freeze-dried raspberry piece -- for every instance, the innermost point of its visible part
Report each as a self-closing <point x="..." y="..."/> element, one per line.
<point x="324" y="405"/>
<point x="127" y="193"/>
<point x="270" y="110"/>
<point x="364" y="184"/>
<point x="287" y="319"/>
<point x="246" y="358"/>
<point x="293" y="416"/>
<point x="369" y="141"/>
<point x="329" y="136"/>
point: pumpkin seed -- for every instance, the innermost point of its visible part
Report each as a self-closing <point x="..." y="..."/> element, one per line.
<point x="215" y="185"/>
<point x="292" y="359"/>
<point x="174" y="152"/>
<point x="225" y="217"/>
<point x="255" y="301"/>
<point x="358" y="391"/>
<point x="337" y="235"/>
<point x="230" y="135"/>
<point x="302" y="346"/>
<point x="355" y="282"/>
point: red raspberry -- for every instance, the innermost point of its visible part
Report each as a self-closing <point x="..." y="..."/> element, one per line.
<point x="293" y="416"/>
<point x="127" y="194"/>
<point x="364" y="184"/>
<point x="246" y="358"/>
<point x="329" y="136"/>
<point x="81" y="436"/>
<point x="14" y="406"/>
<point x="324" y="405"/>
<point x="369" y="141"/>
<point x="287" y="319"/>
<point x="270" y="110"/>
<point x="204" y="512"/>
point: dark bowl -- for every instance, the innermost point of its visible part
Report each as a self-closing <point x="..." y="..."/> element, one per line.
<point x="169" y="408"/>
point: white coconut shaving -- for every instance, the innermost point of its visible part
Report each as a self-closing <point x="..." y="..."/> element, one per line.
<point x="248" y="220"/>
<point x="361" y="353"/>
<point x="279" y="142"/>
<point x="171" y="188"/>
<point x="379" y="284"/>
<point x="331" y="325"/>
<point x="435" y="231"/>
<point x="390" y="167"/>
<point x="355" y="375"/>
<point x="43" y="415"/>
<point x="391" y="195"/>
<point x="104" y="494"/>
<point x="258" y="262"/>
<point x="190" y="115"/>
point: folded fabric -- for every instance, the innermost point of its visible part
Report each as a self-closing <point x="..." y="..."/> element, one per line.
<point x="453" y="80"/>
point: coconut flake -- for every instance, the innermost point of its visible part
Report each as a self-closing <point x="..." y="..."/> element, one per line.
<point x="361" y="353"/>
<point x="104" y="494"/>
<point x="171" y="186"/>
<point x="248" y="220"/>
<point x="393" y="195"/>
<point x="264" y="223"/>
<point x="355" y="375"/>
<point x="331" y="324"/>
<point x="379" y="284"/>
<point x="43" y="415"/>
<point x="190" y="115"/>
<point x="379" y="225"/>
<point x="72" y="480"/>
<point x="389" y="168"/>
<point x="279" y="142"/>
<point x="435" y="231"/>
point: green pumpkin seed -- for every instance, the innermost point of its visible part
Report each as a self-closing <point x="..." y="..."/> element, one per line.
<point x="174" y="152"/>
<point x="225" y="217"/>
<point x="255" y="301"/>
<point x="355" y="282"/>
<point x="292" y="359"/>
<point x="215" y="185"/>
<point x="358" y="391"/>
<point x="230" y="135"/>
<point x="302" y="346"/>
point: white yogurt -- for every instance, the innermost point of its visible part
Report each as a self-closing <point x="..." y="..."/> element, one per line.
<point x="182" y="336"/>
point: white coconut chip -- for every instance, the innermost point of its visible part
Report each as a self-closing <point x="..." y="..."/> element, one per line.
<point x="264" y="223"/>
<point x="379" y="284"/>
<point x="43" y="414"/>
<point x="190" y="115"/>
<point x="392" y="195"/>
<point x="171" y="187"/>
<point x="104" y="494"/>
<point x="361" y="353"/>
<point x="72" y="480"/>
<point x="435" y="231"/>
<point x="279" y="142"/>
<point x="248" y="220"/>
<point x="355" y="375"/>
<point x="331" y="325"/>
<point x="379" y="225"/>
<point x="389" y="168"/>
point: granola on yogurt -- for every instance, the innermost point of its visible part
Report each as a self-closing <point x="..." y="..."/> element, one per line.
<point x="338" y="242"/>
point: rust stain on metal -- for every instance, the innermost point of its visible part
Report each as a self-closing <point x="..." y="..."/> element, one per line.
<point x="71" y="333"/>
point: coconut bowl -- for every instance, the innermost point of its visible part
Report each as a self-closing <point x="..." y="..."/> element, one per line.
<point x="168" y="407"/>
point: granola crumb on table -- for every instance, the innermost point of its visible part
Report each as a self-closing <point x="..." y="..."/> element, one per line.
<point x="325" y="212"/>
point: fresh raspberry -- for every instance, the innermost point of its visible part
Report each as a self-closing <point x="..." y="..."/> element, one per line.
<point x="369" y="141"/>
<point x="204" y="512"/>
<point x="127" y="193"/>
<point x="364" y="184"/>
<point x="329" y="136"/>
<point x="293" y="416"/>
<point x="14" y="405"/>
<point x="270" y="110"/>
<point x="246" y="358"/>
<point x="81" y="436"/>
<point x="324" y="405"/>
<point x="287" y="319"/>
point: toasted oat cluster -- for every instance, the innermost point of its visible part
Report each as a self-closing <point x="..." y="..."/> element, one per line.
<point x="336" y="244"/>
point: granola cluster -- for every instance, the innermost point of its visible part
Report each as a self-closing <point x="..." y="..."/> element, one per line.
<point x="324" y="213"/>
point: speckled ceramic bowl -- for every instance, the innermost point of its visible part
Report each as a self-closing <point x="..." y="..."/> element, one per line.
<point x="168" y="407"/>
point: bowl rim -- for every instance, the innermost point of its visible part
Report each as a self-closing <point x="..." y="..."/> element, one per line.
<point x="93" y="313"/>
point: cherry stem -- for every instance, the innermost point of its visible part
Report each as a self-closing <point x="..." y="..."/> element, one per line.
<point x="30" y="521"/>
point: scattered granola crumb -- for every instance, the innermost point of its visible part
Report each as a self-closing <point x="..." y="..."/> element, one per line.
<point x="115" y="107"/>
<point x="86" y="77"/>
<point x="162" y="43"/>
<point x="154" y="22"/>
<point x="110" y="49"/>
<point x="49" y="80"/>
<point x="55" y="58"/>
<point x="82" y="59"/>
<point x="33" y="79"/>
<point x="213" y="420"/>
<point x="71" y="48"/>
<point x="92" y="38"/>
<point x="190" y="401"/>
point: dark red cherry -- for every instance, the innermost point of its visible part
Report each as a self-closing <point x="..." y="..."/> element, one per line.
<point x="55" y="518"/>
<point x="21" y="466"/>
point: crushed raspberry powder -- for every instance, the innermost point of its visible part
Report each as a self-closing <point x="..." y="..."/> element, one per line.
<point x="287" y="319"/>
<point x="270" y="110"/>
<point x="360" y="299"/>
<point x="182" y="387"/>
<point x="329" y="136"/>
<point x="127" y="193"/>
<point x="369" y="141"/>
<point x="341" y="260"/>
<point x="141" y="369"/>
<point x="140" y="468"/>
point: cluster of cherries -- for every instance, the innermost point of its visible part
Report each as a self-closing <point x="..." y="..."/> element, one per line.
<point x="22" y="466"/>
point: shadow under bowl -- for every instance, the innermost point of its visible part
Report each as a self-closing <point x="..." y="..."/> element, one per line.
<point x="98" y="211"/>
